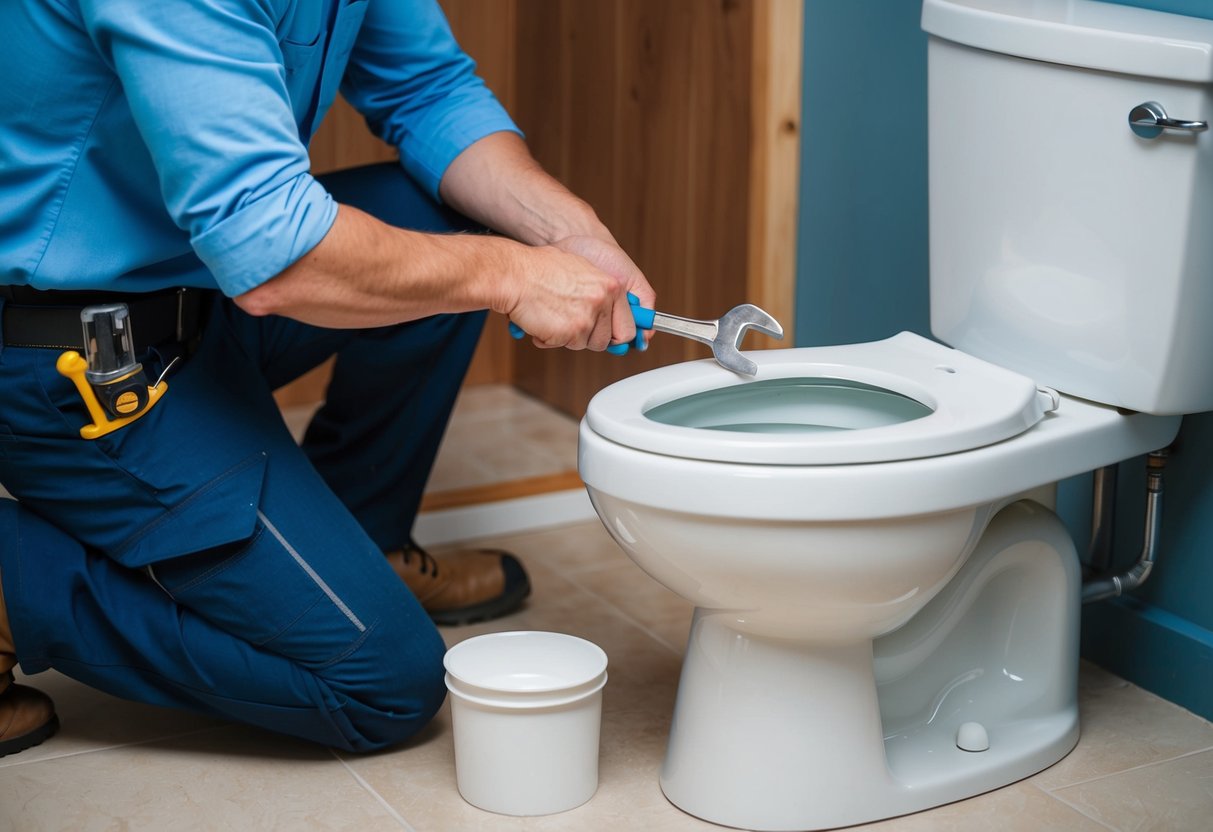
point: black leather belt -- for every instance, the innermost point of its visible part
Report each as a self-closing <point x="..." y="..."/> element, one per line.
<point x="51" y="319"/>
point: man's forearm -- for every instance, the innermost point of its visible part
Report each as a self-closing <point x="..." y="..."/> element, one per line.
<point x="497" y="182"/>
<point x="365" y="273"/>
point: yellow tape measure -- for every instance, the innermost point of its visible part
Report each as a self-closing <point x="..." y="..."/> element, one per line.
<point x="111" y="383"/>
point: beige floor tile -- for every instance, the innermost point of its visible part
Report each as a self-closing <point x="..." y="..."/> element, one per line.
<point x="456" y="472"/>
<point x="637" y="703"/>
<point x="1123" y="727"/>
<point x="297" y="418"/>
<point x="186" y="772"/>
<point x="1166" y="797"/>
<point x="496" y="433"/>
<point x="568" y="550"/>
<point x="91" y="720"/>
<point x="507" y="435"/>
<point x="227" y="778"/>
<point x="659" y="611"/>
<point x="1016" y="808"/>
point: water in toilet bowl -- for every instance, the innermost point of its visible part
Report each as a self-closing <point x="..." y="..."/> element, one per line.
<point x="791" y="406"/>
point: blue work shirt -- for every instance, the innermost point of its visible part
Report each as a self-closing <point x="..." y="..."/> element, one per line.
<point x="139" y="137"/>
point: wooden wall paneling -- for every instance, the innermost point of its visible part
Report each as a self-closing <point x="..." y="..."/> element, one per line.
<point x="544" y="97"/>
<point x="678" y="162"/>
<point x="718" y="196"/>
<point x="591" y="139"/>
<point x="486" y="31"/>
<point x="542" y="89"/>
<point x="591" y="112"/>
<point x="653" y="163"/>
<point x="775" y="162"/>
<point x="643" y="152"/>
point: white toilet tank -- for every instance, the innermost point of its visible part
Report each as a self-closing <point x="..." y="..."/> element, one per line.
<point x="1063" y="245"/>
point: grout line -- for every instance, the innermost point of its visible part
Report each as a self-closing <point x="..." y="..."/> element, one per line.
<point x="1078" y="809"/>
<point x="595" y="568"/>
<point x="29" y="762"/>
<point x="373" y="793"/>
<point x="1150" y="764"/>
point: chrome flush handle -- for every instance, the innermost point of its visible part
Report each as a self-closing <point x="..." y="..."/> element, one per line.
<point x="1150" y="119"/>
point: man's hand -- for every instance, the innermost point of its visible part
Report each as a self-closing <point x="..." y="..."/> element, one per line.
<point x="563" y="299"/>
<point x="610" y="258"/>
<point x="497" y="182"/>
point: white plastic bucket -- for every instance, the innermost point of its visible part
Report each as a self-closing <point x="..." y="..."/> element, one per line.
<point x="527" y="708"/>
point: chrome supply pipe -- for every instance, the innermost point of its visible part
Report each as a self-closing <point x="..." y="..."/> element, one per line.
<point x="1112" y="586"/>
<point x="1103" y="509"/>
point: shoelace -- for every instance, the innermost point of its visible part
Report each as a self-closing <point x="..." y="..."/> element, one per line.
<point x="428" y="562"/>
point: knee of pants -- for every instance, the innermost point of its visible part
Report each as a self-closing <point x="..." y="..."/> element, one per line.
<point x="394" y="683"/>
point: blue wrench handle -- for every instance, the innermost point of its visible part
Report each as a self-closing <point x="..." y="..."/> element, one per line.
<point x="642" y="316"/>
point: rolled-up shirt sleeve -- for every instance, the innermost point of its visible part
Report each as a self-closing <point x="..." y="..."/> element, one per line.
<point x="206" y="87"/>
<point x="418" y="90"/>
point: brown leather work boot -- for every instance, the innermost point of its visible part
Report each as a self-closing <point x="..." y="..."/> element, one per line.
<point x="464" y="586"/>
<point x="27" y="716"/>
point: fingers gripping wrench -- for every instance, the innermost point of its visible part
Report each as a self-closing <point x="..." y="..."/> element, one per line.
<point x="723" y="335"/>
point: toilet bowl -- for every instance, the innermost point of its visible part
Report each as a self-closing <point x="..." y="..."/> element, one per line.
<point x="778" y="523"/>
<point x="886" y="608"/>
<point x="851" y="616"/>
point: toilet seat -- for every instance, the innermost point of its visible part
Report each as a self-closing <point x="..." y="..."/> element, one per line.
<point x="969" y="403"/>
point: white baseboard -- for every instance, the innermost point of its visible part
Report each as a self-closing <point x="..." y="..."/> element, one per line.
<point x="559" y="508"/>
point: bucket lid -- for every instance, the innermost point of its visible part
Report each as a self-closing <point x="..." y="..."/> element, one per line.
<point x="525" y="668"/>
<point x="1083" y="33"/>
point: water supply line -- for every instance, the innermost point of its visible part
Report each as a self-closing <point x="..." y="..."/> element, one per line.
<point x="1112" y="586"/>
<point x="1103" y="509"/>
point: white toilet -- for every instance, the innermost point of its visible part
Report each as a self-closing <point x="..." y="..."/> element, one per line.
<point x="887" y="611"/>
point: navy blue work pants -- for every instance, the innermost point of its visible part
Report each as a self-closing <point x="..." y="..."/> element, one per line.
<point x="199" y="558"/>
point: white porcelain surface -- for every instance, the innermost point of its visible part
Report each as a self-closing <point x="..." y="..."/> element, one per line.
<point x="804" y="730"/>
<point x="972" y="403"/>
<point x="786" y="718"/>
<point x="1077" y="437"/>
<point x="824" y="580"/>
<point x="1063" y="246"/>
<point x="1095" y="35"/>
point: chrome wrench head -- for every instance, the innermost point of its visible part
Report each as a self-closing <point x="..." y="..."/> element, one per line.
<point x="731" y="329"/>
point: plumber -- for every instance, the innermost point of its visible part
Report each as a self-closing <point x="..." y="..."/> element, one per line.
<point x="170" y="543"/>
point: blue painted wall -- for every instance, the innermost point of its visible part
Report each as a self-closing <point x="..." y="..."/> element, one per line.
<point x="863" y="207"/>
<point x="862" y="275"/>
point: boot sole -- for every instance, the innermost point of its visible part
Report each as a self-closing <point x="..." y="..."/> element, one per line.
<point x="29" y="740"/>
<point x="501" y="605"/>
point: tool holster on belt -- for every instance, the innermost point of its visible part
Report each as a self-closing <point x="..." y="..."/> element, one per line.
<point x="102" y="326"/>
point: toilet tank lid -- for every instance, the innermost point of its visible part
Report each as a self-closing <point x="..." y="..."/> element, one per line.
<point x="1084" y="33"/>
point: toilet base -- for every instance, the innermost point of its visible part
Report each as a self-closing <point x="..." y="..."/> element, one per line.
<point x="779" y="734"/>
